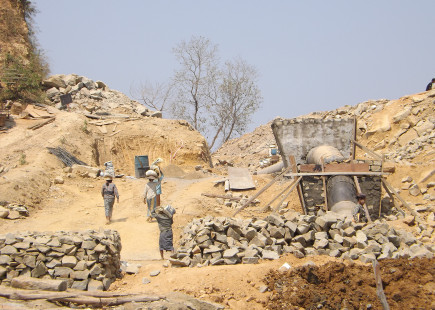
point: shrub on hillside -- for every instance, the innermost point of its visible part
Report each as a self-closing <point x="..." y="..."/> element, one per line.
<point x="21" y="79"/>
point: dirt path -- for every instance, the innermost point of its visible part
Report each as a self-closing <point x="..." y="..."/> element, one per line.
<point x="77" y="205"/>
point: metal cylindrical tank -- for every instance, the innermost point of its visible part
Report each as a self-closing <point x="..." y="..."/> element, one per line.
<point x="341" y="194"/>
<point x="328" y="152"/>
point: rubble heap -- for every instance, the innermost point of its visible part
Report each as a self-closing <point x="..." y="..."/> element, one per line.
<point x="221" y="240"/>
<point x="90" y="260"/>
<point x="400" y="129"/>
<point x="92" y="97"/>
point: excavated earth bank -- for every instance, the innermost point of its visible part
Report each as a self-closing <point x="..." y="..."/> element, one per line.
<point x="408" y="284"/>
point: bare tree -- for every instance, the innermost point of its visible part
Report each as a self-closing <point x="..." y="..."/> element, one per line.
<point x="193" y="81"/>
<point x="154" y="96"/>
<point x="236" y="100"/>
<point x="217" y="102"/>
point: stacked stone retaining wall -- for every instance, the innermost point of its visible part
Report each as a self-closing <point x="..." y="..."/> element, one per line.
<point x="219" y="241"/>
<point x="90" y="260"/>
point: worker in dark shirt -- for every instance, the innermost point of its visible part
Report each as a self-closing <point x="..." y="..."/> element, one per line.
<point x="358" y="209"/>
<point x="165" y="219"/>
<point x="109" y="192"/>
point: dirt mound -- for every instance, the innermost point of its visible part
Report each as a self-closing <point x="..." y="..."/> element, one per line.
<point x="248" y="150"/>
<point x="408" y="284"/>
<point x="27" y="169"/>
<point x="173" y="171"/>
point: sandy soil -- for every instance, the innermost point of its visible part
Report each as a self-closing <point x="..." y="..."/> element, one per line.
<point x="77" y="204"/>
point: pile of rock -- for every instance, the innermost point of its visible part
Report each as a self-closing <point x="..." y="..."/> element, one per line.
<point x="401" y="136"/>
<point x="92" y="97"/>
<point x="12" y="211"/>
<point x="219" y="241"/>
<point x="89" y="260"/>
<point x="421" y="187"/>
<point x="410" y="131"/>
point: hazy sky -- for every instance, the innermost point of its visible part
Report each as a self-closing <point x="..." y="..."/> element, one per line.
<point x="311" y="55"/>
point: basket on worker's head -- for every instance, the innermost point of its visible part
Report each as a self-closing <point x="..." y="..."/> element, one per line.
<point x="169" y="210"/>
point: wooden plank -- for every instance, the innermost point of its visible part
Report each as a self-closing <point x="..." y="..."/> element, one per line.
<point x="276" y="197"/>
<point x="301" y="198"/>
<point x="318" y="174"/>
<point x="366" y="149"/>
<point x="115" y="133"/>
<point x="353" y="155"/>
<point x="404" y="203"/>
<point x="39" y="284"/>
<point x="379" y="288"/>
<point x="295" y="183"/>
<point x="358" y="188"/>
<point x="221" y="196"/>
<point x="324" y="185"/>
<point x="36" y="113"/>
<point x="262" y="190"/>
<point x="426" y="177"/>
<point x="334" y="167"/>
<point x="39" y="125"/>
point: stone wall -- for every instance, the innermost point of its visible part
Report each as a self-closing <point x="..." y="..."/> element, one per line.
<point x="298" y="136"/>
<point x="312" y="188"/>
<point x="90" y="260"/>
<point x="219" y="241"/>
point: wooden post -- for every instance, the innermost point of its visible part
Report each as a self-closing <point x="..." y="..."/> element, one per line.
<point x="324" y="185"/>
<point x="262" y="190"/>
<point x="354" y="139"/>
<point x="358" y="188"/>
<point x="380" y="199"/>
<point x="404" y="203"/>
<point x="366" y="149"/>
<point x="379" y="288"/>
<point x="294" y="184"/>
<point x="391" y="197"/>
<point x="300" y="194"/>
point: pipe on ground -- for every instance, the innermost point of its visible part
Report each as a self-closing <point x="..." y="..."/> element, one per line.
<point x="327" y="152"/>
<point x="271" y="169"/>
<point x="341" y="194"/>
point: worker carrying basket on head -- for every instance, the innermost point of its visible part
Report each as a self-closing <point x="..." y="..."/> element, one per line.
<point x="153" y="188"/>
<point x="155" y="167"/>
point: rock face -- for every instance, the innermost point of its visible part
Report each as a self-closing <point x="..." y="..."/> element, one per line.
<point x="88" y="260"/>
<point x="221" y="240"/>
<point x="92" y="97"/>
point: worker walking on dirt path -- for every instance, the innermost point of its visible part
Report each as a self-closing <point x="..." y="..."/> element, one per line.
<point x="150" y="193"/>
<point x="109" y="192"/>
<point x="165" y="218"/>
<point x="156" y="169"/>
<point x="358" y="209"/>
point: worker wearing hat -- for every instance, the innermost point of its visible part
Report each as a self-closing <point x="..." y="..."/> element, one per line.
<point x="358" y="209"/>
<point x="109" y="192"/>
<point x="150" y="193"/>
